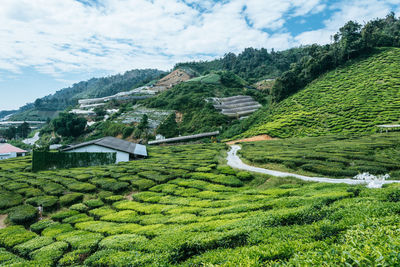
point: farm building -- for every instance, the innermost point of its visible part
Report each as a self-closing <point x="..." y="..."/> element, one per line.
<point x="125" y="150"/>
<point x="8" y="151"/>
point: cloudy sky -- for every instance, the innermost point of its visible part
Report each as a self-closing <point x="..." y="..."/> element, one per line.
<point x="47" y="45"/>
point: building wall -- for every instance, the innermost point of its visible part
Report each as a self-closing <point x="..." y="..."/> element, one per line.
<point x="121" y="156"/>
<point x="8" y="155"/>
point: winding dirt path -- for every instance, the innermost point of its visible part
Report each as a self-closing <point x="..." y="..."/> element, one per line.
<point x="262" y="137"/>
<point x="235" y="162"/>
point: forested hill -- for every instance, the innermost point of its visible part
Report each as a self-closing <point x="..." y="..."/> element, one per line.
<point x="251" y="64"/>
<point x="95" y="87"/>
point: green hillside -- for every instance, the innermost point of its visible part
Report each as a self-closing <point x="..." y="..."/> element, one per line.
<point x="179" y="208"/>
<point x="329" y="156"/>
<point x="352" y="99"/>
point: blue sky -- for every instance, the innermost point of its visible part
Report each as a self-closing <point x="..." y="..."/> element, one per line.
<point x="48" y="45"/>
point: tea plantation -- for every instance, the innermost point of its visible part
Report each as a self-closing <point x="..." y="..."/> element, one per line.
<point x="181" y="208"/>
<point x="329" y="156"/>
<point x="350" y="100"/>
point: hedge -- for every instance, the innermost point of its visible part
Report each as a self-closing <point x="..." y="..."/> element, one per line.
<point x="24" y="214"/>
<point x="57" y="160"/>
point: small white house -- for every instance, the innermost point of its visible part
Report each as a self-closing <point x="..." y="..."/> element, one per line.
<point x="8" y="151"/>
<point x="125" y="150"/>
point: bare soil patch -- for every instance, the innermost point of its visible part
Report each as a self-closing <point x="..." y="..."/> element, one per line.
<point x="3" y="217"/>
<point x="262" y="137"/>
<point x="129" y="196"/>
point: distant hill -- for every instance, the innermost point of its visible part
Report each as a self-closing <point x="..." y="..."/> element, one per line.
<point x="50" y="105"/>
<point x="352" y="99"/>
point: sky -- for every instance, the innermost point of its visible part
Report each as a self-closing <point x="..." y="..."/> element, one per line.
<point x="47" y="45"/>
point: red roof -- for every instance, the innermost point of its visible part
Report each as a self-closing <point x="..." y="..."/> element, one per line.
<point x="7" y="148"/>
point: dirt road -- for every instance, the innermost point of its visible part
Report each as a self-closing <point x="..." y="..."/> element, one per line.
<point x="235" y="162"/>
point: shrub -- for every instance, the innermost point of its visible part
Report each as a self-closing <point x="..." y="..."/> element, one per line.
<point x="100" y="212"/>
<point x="79" y="207"/>
<point x="82" y="217"/>
<point x="9" y="259"/>
<point x="94" y="203"/>
<point x="82" y="187"/>
<point x="61" y="215"/>
<point x="394" y="195"/>
<point x="48" y="202"/>
<point x="56" y="229"/>
<point x="15" y="235"/>
<point x="8" y="199"/>
<point x="119" y="258"/>
<point x="122" y="216"/>
<point x="112" y="199"/>
<point x="226" y="170"/>
<point x="111" y="184"/>
<point x="40" y="225"/>
<point x="203" y="169"/>
<point x="38" y="242"/>
<point x="244" y="176"/>
<point x="143" y="184"/>
<point x="69" y="199"/>
<point x="50" y="253"/>
<point x="24" y="214"/>
<point x="79" y="239"/>
<point x="74" y="258"/>
<point x="122" y="242"/>
<point x="53" y="188"/>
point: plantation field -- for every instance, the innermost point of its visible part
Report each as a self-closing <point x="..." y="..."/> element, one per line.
<point x="349" y="100"/>
<point x="330" y="156"/>
<point x="180" y="207"/>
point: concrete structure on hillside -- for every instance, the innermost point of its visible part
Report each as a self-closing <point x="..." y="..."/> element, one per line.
<point x="8" y="151"/>
<point x="183" y="138"/>
<point x="125" y="150"/>
<point x="236" y="106"/>
<point x="138" y="93"/>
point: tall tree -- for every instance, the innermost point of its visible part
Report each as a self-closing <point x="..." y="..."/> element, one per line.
<point x="69" y="125"/>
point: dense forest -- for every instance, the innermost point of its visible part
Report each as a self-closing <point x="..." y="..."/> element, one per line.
<point x="252" y="64"/>
<point x="351" y="41"/>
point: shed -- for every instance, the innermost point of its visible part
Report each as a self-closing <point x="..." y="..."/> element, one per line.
<point x="125" y="150"/>
<point x="8" y="151"/>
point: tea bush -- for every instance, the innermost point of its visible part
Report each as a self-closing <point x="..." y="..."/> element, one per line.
<point x="190" y="212"/>
<point x="24" y="214"/>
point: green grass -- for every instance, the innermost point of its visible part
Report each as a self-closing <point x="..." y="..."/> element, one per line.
<point x="328" y="156"/>
<point x="350" y="100"/>
<point x="189" y="211"/>
<point x="209" y="78"/>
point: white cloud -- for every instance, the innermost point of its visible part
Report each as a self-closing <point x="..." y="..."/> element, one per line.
<point x="360" y="11"/>
<point x="67" y="36"/>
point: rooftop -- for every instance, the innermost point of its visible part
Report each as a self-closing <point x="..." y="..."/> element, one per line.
<point x="7" y="148"/>
<point x="114" y="143"/>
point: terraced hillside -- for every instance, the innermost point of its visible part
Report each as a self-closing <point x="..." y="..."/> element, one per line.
<point x="179" y="208"/>
<point x="350" y="100"/>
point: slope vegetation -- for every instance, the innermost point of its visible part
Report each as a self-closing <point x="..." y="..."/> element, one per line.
<point x="350" y="100"/>
<point x="330" y="156"/>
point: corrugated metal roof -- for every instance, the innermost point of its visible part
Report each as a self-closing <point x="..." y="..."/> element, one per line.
<point x="114" y="143"/>
<point x="181" y="138"/>
<point x="7" y="148"/>
<point x="140" y="150"/>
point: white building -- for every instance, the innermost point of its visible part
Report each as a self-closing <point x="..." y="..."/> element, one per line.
<point x="125" y="150"/>
<point x="8" y="151"/>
